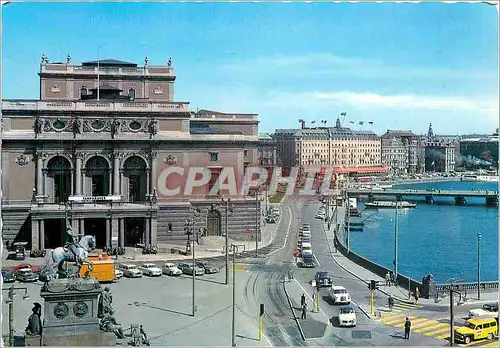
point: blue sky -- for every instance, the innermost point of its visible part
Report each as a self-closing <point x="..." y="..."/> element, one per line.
<point x="400" y="66"/>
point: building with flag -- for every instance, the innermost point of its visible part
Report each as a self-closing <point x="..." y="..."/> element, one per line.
<point x="403" y="152"/>
<point x="337" y="146"/>
<point x="93" y="150"/>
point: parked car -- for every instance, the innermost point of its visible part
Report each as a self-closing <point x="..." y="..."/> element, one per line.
<point x="187" y="268"/>
<point x="488" y="310"/>
<point x="130" y="271"/>
<point x="207" y="267"/>
<point x="306" y="262"/>
<point x="8" y="277"/>
<point x="26" y="275"/>
<point x="171" y="269"/>
<point x="347" y="316"/>
<point x="339" y="294"/>
<point x="323" y="279"/>
<point x="118" y="274"/>
<point x="150" y="269"/>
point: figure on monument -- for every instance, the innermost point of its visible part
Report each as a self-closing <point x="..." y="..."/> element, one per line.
<point x="34" y="321"/>
<point x="109" y="324"/>
<point x="74" y="250"/>
<point x="105" y="303"/>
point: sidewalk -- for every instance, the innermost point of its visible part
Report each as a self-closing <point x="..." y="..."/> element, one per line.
<point x="268" y="233"/>
<point x="316" y="323"/>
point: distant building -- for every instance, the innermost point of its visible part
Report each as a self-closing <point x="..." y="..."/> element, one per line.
<point x="266" y="151"/>
<point x="328" y="146"/>
<point x="402" y="152"/>
<point x="483" y="148"/>
<point x="440" y="152"/>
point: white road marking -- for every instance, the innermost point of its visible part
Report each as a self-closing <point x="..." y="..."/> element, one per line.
<point x="307" y="293"/>
<point x="287" y="232"/>
<point x="319" y="264"/>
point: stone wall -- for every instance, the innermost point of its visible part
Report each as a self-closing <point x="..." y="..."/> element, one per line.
<point x="16" y="223"/>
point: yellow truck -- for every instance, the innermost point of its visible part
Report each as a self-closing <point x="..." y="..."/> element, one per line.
<point x="103" y="267"/>
<point x="477" y="328"/>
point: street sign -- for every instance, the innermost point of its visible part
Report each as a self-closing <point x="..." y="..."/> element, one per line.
<point x="114" y="240"/>
<point x="313" y="283"/>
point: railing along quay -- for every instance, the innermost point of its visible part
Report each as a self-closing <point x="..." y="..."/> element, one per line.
<point x="489" y="285"/>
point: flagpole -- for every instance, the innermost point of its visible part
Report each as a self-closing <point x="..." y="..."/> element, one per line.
<point x="98" y="82"/>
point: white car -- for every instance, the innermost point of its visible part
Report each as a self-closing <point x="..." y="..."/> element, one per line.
<point x="171" y="269"/>
<point x="488" y="310"/>
<point x="118" y="274"/>
<point x="339" y="295"/>
<point x="151" y="270"/>
<point x="347" y="316"/>
<point x="130" y="270"/>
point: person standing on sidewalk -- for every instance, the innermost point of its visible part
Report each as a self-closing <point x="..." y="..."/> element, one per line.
<point x="407" y="328"/>
<point x="290" y="273"/>
<point x="417" y="294"/>
<point x="388" y="278"/>
<point x="390" y="300"/>
<point x="302" y="300"/>
<point x="304" y="311"/>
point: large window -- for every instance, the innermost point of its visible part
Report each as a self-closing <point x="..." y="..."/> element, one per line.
<point x="59" y="172"/>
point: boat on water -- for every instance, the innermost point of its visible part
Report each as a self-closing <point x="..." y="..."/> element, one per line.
<point x="484" y="178"/>
<point x="390" y="204"/>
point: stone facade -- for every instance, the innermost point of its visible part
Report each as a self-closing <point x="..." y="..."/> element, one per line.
<point x="440" y="152"/>
<point x="402" y="152"/>
<point x="329" y="146"/>
<point x="97" y="157"/>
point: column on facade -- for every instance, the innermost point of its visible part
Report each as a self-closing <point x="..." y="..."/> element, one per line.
<point x="116" y="175"/>
<point x="115" y="226"/>
<point x="153" y="171"/>
<point x="147" y="239"/>
<point x="108" y="232"/>
<point x="110" y="181"/>
<point x="35" y="237"/>
<point x="78" y="175"/>
<point x="39" y="175"/>
<point x="42" y="234"/>
<point x="75" y="224"/>
<point x="82" y="226"/>
<point x="122" y="233"/>
<point x="154" y="230"/>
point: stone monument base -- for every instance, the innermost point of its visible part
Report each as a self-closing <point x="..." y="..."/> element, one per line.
<point x="32" y="340"/>
<point x="88" y="339"/>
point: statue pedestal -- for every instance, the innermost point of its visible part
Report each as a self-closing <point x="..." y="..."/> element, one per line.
<point x="70" y="314"/>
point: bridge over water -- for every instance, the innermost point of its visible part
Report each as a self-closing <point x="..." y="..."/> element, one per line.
<point x="491" y="197"/>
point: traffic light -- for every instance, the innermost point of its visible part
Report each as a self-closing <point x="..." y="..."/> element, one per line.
<point x="373" y="285"/>
<point x="261" y="309"/>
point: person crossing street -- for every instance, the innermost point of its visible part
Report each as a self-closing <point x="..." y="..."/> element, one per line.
<point x="304" y="311"/>
<point x="407" y="328"/>
<point x="390" y="301"/>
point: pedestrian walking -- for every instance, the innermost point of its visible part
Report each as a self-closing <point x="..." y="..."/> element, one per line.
<point x="388" y="278"/>
<point x="304" y="311"/>
<point x="407" y="328"/>
<point x="417" y="295"/>
<point x="290" y="273"/>
<point x="390" y="300"/>
<point x="302" y="300"/>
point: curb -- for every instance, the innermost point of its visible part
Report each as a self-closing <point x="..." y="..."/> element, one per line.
<point x="365" y="312"/>
<point x="293" y="313"/>
<point x="355" y="275"/>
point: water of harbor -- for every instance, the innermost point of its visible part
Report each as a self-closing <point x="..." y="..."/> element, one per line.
<point x="440" y="239"/>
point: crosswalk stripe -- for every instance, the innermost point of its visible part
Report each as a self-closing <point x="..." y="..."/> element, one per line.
<point x="437" y="332"/>
<point x="406" y="306"/>
<point x="398" y="320"/>
<point x="424" y="324"/>
<point x="419" y="320"/>
<point x="442" y="337"/>
<point x="491" y="344"/>
<point x="391" y="317"/>
<point x="434" y="327"/>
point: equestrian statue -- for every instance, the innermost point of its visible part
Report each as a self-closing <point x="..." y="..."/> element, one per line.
<point x="74" y="251"/>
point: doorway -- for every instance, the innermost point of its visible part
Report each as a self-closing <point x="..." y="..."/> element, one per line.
<point x="134" y="231"/>
<point x="96" y="228"/>
<point x="55" y="233"/>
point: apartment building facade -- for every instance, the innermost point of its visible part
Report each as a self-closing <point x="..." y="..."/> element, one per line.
<point x="403" y="152"/>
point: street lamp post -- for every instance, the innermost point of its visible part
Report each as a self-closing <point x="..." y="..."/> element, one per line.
<point x="229" y="207"/>
<point x="10" y="301"/>
<point x="396" y="242"/>
<point x="234" y="249"/>
<point x="257" y="217"/>
<point x="479" y="266"/>
<point x="190" y="229"/>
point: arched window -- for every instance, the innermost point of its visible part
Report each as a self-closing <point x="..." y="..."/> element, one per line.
<point x="83" y="92"/>
<point x="131" y="93"/>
